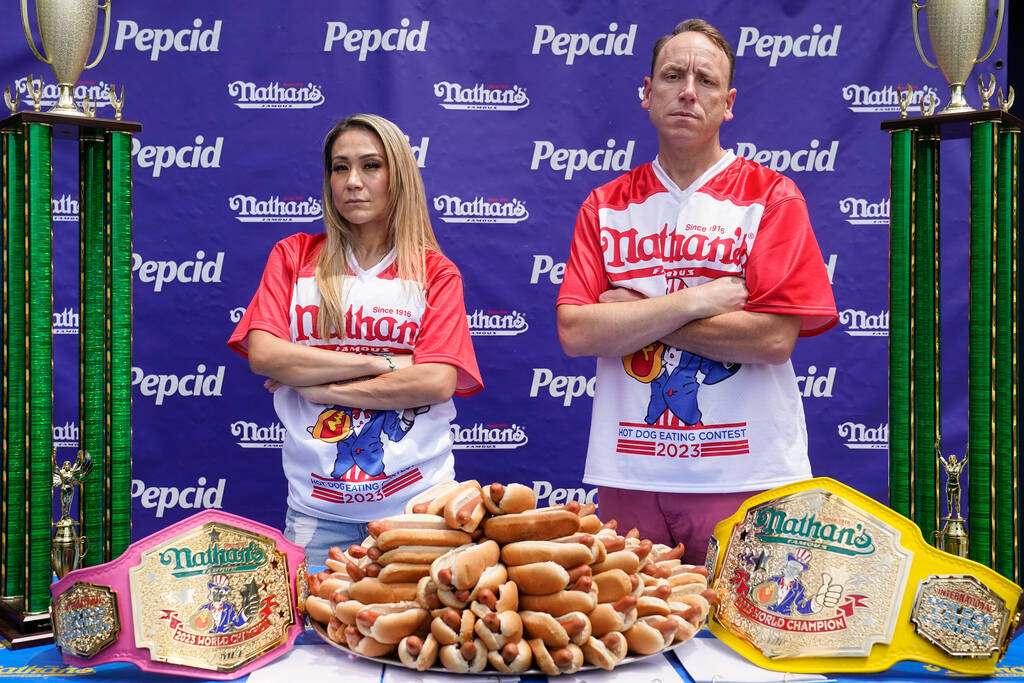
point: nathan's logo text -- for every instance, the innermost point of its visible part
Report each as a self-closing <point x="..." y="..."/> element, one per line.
<point x="363" y="323"/>
<point x="859" y="436"/>
<point x="862" y="212"/>
<point x="159" y="157"/>
<point x="810" y="159"/>
<point x="251" y="435"/>
<point x="162" y="386"/>
<point x="480" y="97"/>
<point x="65" y="322"/>
<point x="372" y="39"/>
<point x="98" y="92"/>
<point x="164" y="498"/>
<point x="497" y="323"/>
<point x="546" y="265"/>
<point x="488" y="436"/>
<point x="163" y="272"/>
<point x="157" y="40"/>
<point x="274" y="209"/>
<point x="573" y="160"/>
<point x="813" y="44"/>
<point x="830" y="267"/>
<point x="214" y="558"/>
<point x="547" y="494"/>
<point x="863" y="98"/>
<point x="275" y="95"/>
<point x="479" y="210"/>
<point x="813" y="384"/>
<point x="864" y="324"/>
<point x="574" y="45"/>
<point x="64" y="208"/>
<point x="807" y="531"/>
<point x="566" y="387"/>
<point x="65" y="435"/>
<point x="711" y="243"/>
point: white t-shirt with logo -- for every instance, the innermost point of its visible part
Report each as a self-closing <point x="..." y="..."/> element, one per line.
<point x="343" y="462"/>
<point x="665" y="419"/>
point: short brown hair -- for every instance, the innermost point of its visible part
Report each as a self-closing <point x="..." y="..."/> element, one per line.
<point x="698" y="26"/>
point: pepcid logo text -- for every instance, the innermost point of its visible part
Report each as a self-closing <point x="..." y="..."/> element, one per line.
<point x="572" y="160"/>
<point x="565" y="387"/>
<point x="65" y="435"/>
<point x="776" y="47"/>
<point x="859" y="211"/>
<point x="863" y="99"/>
<point x="200" y="269"/>
<point x="252" y="435"/>
<point x="574" y="45"/>
<point x="64" y="208"/>
<point x="859" y="436"/>
<point x="97" y="92"/>
<point x="488" y="436"/>
<point x="864" y="324"/>
<point x="160" y="157"/>
<point x="814" y="384"/>
<point x="66" y="321"/>
<point x="497" y="323"/>
<point x="810" y="159"/>
<point x="549" y="494"/>
<point x="158" y="40"/>
<point x="197" y="497"/>
<point x="372" y="39"/>
<point x="545" y="265"/>
<point x="480" y="97"/>
<point x="199" y="383"/>
<point x="275" y="95"/>
<point x="274" y="209"/>
<point x="455" y="209"/>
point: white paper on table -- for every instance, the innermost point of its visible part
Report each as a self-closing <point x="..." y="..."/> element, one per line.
<point x="649" y="670"/>
<point x="317" y="663"/>
<point x="399" y="674"/>
<point x="710" y="660"/>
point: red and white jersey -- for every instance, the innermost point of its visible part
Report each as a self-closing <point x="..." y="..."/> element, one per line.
<point x="342" y="462"/>
<point x="665" y="419"/>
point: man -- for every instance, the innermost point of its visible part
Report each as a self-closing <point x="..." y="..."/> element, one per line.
<point x="690" y="278"/>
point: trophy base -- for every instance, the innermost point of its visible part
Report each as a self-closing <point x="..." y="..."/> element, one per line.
<point x="956" y="109"/>
<point x="19" y="630"/>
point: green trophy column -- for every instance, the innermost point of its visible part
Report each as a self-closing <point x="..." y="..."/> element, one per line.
<point x="12" y="533"/>
<point x="1006" y="512"/>
<point x="900" y="284"/>
<point x="924" y="336"/>
<point x="92" y="334"/>
<point x="981" y="332"/>
<point x="119" y="195"/>
<point x="39" y="416"/>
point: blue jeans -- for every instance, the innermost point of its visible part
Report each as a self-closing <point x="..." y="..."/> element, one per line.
<point x="319" y="535"/>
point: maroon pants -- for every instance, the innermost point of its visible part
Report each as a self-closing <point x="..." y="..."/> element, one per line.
<point x="670" y="518"/>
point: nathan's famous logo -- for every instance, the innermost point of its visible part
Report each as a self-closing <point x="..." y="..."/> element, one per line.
<point x="480" y="97"/>
<point x="481" y="436"/>
<point x="497" y="323"/>
<point x="862" y="212"/>
<point x="65" y="435"/>
<point x="64" y="208"/>
<point x="864" y="324"/>
<point x="366" y="323"/>
<point x="231" y="557"/>
<point x="778" y="527"/>
<point x="479" y="210"/>
<point x="66" y="321"/>
<point x="865" y="99"/>
<point x="860" y="436"/>
<point x="275" y="209"/>
<point x="252" y="435"/>
<point x="712" y="243"/>
<point x="275" y="95"/>
<point x="98" y="92"/>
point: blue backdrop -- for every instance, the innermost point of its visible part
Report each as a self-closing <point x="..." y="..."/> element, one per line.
<point x="235" y="99"/>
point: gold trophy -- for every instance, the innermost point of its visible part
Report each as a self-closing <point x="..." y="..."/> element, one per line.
<point x="956" y="29"/>
<point x="68" y="547"/>
<point x="66" y="31"/>
<point x="953" y="536"/>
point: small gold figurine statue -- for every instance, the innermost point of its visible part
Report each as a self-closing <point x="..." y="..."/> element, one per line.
<point x="89" y="107"/>
<point x="953" y="536"/>
<point x="35" y="92"/>
<point x="1008" y="102"/>
<point x="986" y="92"/>
<point x="68" y="547"/>
<point x="12" y="104"/>
<point x="117" y="102"/>
<point x="929" y="103"/>
<point x="905" y="95"/>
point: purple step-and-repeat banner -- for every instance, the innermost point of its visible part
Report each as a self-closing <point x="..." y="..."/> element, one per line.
<point x="515" y="112"/>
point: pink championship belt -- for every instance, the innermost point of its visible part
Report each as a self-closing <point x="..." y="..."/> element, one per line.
<point x="212" y="596"/>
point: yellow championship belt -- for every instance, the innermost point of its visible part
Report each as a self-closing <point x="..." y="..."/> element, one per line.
<point x="817" y="577"/>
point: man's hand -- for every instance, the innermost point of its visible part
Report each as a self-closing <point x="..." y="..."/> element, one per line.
<point x="722" y="295"/>
<point x="318" y="393"/>
<point x="401" y="361"/>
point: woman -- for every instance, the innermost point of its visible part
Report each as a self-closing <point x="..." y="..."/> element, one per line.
<point x="362" y="331"/>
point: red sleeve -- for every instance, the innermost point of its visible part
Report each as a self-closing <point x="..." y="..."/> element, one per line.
<point x="584" y="278"/>
<point x="444" y="332"/>
<point x="785" y="272"/>
<point x="268" y="310"/>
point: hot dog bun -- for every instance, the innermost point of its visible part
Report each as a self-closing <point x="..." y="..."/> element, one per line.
<point x="418" y="653"/>
<point x="563" y="660"/>
<point x="561" y="602"/>
<point x="389" y="623"/>
<point x="496" y="629"/>
<point x="372" y="591"/>
<point x="503" y="500"/>
<point x="396" y="538"/>
<point x="469" y="657"/>
<point x="406" y="521"/>
<point x="465" y="509"/>
<point x="433" y="500"/>
<point x="451" y="626"/>
<point x="566" y="554"/>
<point x="605" y="652"/>
<point x="512" y="658"/>
<point x="532" y="525"/>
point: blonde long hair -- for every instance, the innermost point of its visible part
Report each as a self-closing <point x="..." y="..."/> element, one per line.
<point x="408" y="220"/>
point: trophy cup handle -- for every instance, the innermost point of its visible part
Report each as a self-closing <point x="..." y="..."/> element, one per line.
<point x="995" y="36"/>
<point x="917" y="35"/>
<point x="106" y="30"/>
<point x="28" y="32"/>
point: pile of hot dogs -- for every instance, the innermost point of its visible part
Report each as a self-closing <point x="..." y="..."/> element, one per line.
<point x="472" y="576"/>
